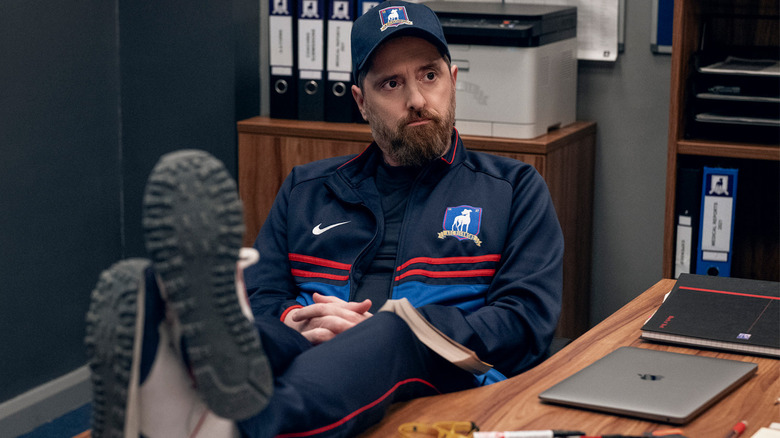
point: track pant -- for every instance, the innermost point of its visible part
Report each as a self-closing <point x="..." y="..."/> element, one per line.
<point x="344" y="386"/>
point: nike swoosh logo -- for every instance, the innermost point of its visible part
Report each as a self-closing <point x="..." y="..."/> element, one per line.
<point x="317" y="230"/>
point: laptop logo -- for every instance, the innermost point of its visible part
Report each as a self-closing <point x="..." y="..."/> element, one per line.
<point x="650" y="377"/>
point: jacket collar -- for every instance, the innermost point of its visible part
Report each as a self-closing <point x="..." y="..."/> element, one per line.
<point x="457" y="152"/>
<point x="363" y="166"/>
<point x="355" y="174"/>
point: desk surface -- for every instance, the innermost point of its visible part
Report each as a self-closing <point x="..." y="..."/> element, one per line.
<point x="514" y="404"/>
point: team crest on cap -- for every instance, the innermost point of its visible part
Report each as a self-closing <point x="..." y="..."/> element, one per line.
<point x="393" y="16"/>
<point x="462" y="222"/>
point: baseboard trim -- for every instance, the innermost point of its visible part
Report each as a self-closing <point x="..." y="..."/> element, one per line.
<point x="40" y="405"/>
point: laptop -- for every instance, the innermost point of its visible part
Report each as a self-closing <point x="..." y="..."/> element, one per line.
<point x="655" y="385"/>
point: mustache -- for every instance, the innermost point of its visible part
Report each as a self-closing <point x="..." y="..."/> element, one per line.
<point x="420" y="115"/>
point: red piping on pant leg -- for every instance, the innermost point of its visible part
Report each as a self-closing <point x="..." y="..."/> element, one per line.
<point x="355" y="413"/>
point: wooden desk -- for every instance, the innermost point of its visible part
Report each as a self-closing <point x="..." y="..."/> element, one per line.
<point x="514" y="404"/>
<point x="269" y="148"/>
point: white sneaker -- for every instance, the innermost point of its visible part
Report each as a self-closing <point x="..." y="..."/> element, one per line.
<point x="169" y="405"/>
<point x="195" y="362"/>
<point x="125" y="403"/>
<point x="193" y="223"/>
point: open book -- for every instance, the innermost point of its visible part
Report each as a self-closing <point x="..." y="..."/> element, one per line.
<point x="434" y="339"/>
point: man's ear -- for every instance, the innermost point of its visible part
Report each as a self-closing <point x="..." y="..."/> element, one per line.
<point x="454" y="72"/>
<point x="357" y="94"/>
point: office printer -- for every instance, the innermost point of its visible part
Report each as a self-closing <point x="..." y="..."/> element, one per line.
<point x="517" y="66"/>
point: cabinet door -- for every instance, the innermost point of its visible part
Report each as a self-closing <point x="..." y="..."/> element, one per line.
<point x="266" y="160"/>
<point x="535" y="160"/>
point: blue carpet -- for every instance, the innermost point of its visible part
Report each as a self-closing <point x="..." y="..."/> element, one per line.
<point x="66" y="426"/>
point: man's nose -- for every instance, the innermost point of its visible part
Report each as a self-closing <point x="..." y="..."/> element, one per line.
<point x="415" y="98"/>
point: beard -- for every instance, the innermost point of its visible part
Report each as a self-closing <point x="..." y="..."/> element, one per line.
<point x="414" y="145"/>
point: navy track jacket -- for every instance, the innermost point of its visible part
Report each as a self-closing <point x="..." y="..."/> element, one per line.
<point x="479" y="253"/>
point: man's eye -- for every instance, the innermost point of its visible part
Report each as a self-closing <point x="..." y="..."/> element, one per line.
<point x="430" y="76"/>
<point x="392" y="84"/>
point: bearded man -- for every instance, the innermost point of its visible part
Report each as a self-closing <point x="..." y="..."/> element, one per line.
<point x="345" y="235"/>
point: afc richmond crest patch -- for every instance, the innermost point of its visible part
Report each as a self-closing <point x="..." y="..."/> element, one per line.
<point x="393" y="17"/>
<point x="462" y="222"/>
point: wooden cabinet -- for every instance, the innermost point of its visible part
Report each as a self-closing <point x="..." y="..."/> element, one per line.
<point x="269" y="148"/>
<point x="706" y="31"/>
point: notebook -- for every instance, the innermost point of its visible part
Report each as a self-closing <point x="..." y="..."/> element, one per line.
<point x="650" y="384"/>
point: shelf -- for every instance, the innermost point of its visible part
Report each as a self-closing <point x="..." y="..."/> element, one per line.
<point x="708" y="32"/>
<point x="738" y="98"/>
<point x="360" y="132"/>
<point x="729" y="150"/>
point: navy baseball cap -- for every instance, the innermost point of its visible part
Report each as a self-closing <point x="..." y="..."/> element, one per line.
<point x="389" y="19"/>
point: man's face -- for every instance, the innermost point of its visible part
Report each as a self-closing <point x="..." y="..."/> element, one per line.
<point x="408" y="98"/>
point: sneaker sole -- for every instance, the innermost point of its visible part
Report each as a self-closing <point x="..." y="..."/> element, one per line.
<point x="111" y="334"/>
<point x="193" y="222"/>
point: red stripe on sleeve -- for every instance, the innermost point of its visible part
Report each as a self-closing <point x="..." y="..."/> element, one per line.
<point x="288" y="310"/>
<point x="318" y="261"/>
<point x="309" y="274"/>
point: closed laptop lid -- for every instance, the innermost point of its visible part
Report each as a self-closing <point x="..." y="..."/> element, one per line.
<point x="651" y="384"/>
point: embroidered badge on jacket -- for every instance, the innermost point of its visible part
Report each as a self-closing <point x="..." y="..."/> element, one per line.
<point x="462" y="222"/>
<point x="393" y="17"/>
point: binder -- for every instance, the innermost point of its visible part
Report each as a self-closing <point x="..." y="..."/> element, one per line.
<point x="339" y="104"/>
<point x="719" y="195"/>
<point x="661" y="30"/>
<point x="311" y="59"/>
<point x="281" y="37"/>
<point x="687" y="211"/>
<point x="364" y="5"/>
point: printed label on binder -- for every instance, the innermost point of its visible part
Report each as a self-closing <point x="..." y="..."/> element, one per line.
<point x="716" y="220"/>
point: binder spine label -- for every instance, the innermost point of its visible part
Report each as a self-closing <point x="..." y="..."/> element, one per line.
<point x="714" y="256"/>
<point x="683" y="247"/>
<point x="281" y="71"/>
<point x="311" y="35"/>
<point x="365" y="5"/>
<point x="717" y="214"/>
<point x="315" y="75"/>
<point x="280" y="34"/>
<point x="280" y="41"/>
<point x="719" y="194"/>
<point x="339" y="57"/>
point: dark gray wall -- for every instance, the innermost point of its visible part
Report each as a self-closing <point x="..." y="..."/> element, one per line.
<point x="59" y="185"/>
<point x="91" y="94"/>
<point x="629" y="99"/>
<point x="179" y="66"/>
